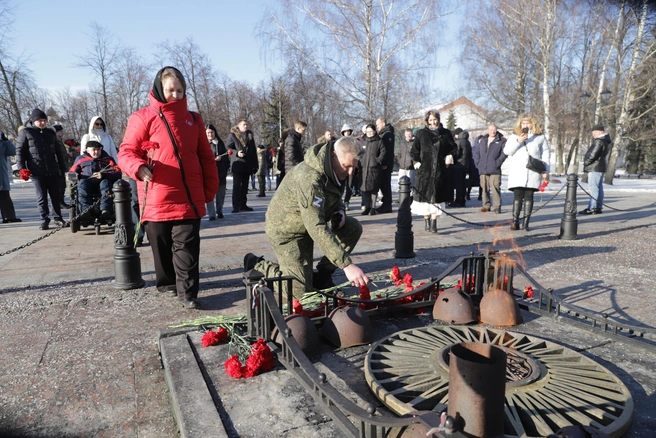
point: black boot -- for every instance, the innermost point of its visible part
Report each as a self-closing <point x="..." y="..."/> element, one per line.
<point x="517" y="210"/>
<point x="528" y="209"/>
<point x="434" y="225"/>
<point x="427" y="224"/>
<point x="322" y="279"/>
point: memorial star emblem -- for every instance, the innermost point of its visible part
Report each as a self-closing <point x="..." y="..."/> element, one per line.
<point x="317" y="202"/>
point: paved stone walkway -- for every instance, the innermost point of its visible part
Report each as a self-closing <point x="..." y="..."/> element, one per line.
<point x="79" y="358"/>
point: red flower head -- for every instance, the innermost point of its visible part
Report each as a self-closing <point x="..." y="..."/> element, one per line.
<point x="25" y="174"/>
<point x="117" y="169"/>
<point x="528" y="292"/>
<point x="365" y="293"/>
<point x="230" y="152"/>
<point x="407" y="279"/>
<point x="234" y="368"/>
<point x="297" y="307"/>
<point x="70" y="142"/>
<point x="543" y="186"/>
<point x="260" y="359"/>
<point x="149" y="145"/>
<point x="395" y="274"/>
<point x="272" y="150"/>
<point x="213" y="338"/>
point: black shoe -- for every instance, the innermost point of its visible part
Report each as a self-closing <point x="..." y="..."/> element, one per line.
<point x="192" y="303"/>
<point x="140" y="242"/>
<point x="261" y="195"/>
<point x="44" y="226"/>
<point x="105" y="214"/>
<point x="366" y="211"/>
<point x="597" y="211"/>
<point x="168" y="290"/>
<point x="250" y="260"/>
<point x="384" y="210"/>
<point x="59" y="222"/>
<point x="246" y="208"/>
<point x="212" y="218"/>
<point x="586" y="211"/>
<point x="236" y="210"/>
<point x="322" y="280"/>
<point x="65" y="205"/>
<point x="219" y="216"/>
<point x="13" y="220"/>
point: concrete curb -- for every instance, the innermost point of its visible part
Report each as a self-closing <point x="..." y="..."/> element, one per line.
<point x="193" y="407"/>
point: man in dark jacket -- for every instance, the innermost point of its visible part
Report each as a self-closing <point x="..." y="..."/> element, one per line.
<point x="405" y="159"/>
<point x="594" y="163"/>
<point x="459" y="169"/>
<point x="244" y="163"/>
<point x="386" y="133"/>
<point x="37" y="151"/>
<point x="97" y="173"/>
<point x="293" y="147"/>
<point x="488" y="161"/>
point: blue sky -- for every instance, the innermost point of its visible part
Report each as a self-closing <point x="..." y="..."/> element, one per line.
<point x="55" y="33"/>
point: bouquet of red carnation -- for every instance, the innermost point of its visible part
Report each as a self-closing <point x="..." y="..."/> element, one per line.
<point x="25" y="174"/>
<point x="260" y="359"/>
<point x="544" y="185"/>
<point x="213" y="338"/>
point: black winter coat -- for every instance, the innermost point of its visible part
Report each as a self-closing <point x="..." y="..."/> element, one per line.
<point x="223" y="165"/>
<point x="293" y="150"/>
<point x="464" y="153"/>
<point x="38" y="151"/>
<point x="247" y="163"/>
<point x="488" y="160"/>
<point x="372" y="162"/>
<point x="430" y="148"/>
<point x="595" y="157"/>
<point x="387" y="135"/>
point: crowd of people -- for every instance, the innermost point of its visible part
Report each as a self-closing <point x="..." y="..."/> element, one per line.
<point x="177" y="166"/>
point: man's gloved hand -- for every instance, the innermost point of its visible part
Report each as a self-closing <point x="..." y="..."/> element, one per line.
<point x="336" y="219"/>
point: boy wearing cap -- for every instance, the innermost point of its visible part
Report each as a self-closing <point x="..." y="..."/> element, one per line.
<point x="37" y="151"/>
<point x="594" y="163"/>
<point x="97" y="172"/>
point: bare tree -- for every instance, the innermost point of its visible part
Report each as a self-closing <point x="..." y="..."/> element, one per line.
<point x="100" y="59"/>
<point x="351" y="43"/>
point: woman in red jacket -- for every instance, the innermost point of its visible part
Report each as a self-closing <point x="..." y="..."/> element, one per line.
<point x="166" y="151"/>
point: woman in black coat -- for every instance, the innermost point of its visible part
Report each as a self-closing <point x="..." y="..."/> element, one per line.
<point x="432" y="152"/>
<point x="372" y="167"/>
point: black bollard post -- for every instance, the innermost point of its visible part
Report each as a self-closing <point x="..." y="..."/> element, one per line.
<point x="569" y="223"/>
<point x="127" y="264"/>
<point x="404" y="241"/>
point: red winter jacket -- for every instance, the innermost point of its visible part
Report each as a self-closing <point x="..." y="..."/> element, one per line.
<point x="167" y="198"/>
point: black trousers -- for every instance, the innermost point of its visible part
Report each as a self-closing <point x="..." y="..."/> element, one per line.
<point x="176" y="251"/>
<point x="386" y="188"/>
<point x="47" y="185"/>
<point x="458" y="180"/>
<point x="6" y="205"/>
<point x="62" y="188"/>
<point x="240" y="182"/>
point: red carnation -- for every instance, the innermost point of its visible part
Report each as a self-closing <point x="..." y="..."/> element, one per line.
<point x="230" y="152"/>
<point x="260" y="359"/>
<point x="395" y="275"/>
<point x="25" y="174"/>
<point x="407" y="279"/>
<point x="528" y="292"/>
<point x="297" y="308"/>
<point x="213" y="338"/>
<point x="543" y="186"/>
<point x="234" y="368"/>
<point x="149" y="145"/>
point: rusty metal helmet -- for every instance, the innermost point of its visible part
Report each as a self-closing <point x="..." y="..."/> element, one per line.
<point x="304" y="332"/>
<point x="499" y="308"/>
<point x="454" y="307"/>
<point x="347" y="326"/>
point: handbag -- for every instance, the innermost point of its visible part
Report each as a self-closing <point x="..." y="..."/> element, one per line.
<point x="536" y="165"/>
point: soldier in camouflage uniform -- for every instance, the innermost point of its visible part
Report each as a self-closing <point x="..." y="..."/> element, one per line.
<point x="306" y="209"/>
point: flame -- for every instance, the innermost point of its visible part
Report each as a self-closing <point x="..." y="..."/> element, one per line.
<point x="504" y="244"/>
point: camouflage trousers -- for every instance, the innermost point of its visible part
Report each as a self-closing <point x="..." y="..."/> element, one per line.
<point x="295" y="256"/>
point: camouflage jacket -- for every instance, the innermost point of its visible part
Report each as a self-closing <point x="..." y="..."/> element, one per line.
<point x="303" y="204"/>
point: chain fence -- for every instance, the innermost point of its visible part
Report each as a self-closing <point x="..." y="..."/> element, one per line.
<point x="61" y="227"/>
<point x="613" y="208"/>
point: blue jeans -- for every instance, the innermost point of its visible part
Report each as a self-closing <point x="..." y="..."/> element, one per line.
<point x="596" y="189"/>
<point x="89" y="187"/>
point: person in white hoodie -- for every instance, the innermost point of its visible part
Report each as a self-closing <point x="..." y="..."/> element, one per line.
<point x="524" y="179"/>
<point x="98" y="132"/>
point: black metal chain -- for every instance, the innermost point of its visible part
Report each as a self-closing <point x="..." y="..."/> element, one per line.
<point x="66" y="224"/>
<point x="489" y="224"/>
<point x="613" y="208"/>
